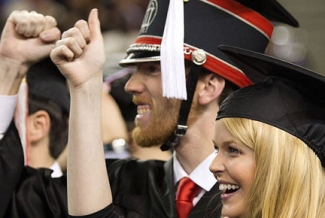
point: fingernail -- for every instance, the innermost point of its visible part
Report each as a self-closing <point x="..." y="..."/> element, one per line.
<point x="45" y="35"/>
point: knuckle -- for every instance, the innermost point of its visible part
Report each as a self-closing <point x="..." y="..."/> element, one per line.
<point x="51" y="20"/>
<point x="81" y="23"/>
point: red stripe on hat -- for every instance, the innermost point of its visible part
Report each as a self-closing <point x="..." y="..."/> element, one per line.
<point x="248" y="15"/>
<point x="214" y="64"/>
<point x="225" y="70"/>
<point x="148" y="40"/>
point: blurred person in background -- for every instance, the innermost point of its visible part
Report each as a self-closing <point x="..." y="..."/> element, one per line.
<point x="48" y="114"/>
<point x="114" y="129"/>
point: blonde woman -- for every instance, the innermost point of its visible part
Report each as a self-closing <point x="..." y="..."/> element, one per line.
<point x="271" y="142"/>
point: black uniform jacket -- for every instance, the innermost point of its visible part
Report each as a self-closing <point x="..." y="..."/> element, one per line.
<point x="146" y="189"/>
<point x="11" y="166"/>
<point x="26" y="192"/>
<point x="139" y="188"/>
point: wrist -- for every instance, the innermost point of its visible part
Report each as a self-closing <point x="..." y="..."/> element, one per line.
<point x="91" y="86"/>
<point x="12" y="72"/>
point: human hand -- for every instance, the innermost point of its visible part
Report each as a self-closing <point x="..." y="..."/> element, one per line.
<point x="26" y="38"/>
<point x="80" y="53"/>
<point x="80" y="57"/>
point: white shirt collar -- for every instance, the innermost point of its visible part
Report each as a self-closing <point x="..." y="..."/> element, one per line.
<point x="8" y="104"/>
<point x="57" y="172"/>
<point x="201" y="175"/>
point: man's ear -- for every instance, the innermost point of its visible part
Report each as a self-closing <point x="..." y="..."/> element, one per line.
<point x="210" y="88"/>
<point x="39" y="124"/>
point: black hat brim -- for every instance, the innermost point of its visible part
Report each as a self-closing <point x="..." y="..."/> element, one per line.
<point x="258" y="67"/>
<point x="272" y="10"/>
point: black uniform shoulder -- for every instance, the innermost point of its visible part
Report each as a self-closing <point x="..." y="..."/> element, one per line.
<point x="135" y="168"/>
<point x="39" y="195"/>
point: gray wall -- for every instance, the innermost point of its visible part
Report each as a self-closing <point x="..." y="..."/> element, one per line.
<point x="311" y="16"/>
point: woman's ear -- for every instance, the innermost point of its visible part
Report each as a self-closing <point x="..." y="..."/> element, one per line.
<point x="39" y="124"/>
<point x="210" y="88"/>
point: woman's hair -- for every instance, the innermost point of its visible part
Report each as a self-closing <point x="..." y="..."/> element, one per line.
<point x="289" y="179"/>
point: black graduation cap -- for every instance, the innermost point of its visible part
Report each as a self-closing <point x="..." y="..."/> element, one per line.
<point x="45" y="80"/>
<point x="272" y="10"/>
<point x="284" y="95"/>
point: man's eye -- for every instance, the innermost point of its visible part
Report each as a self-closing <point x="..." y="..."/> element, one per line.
<point x="153" y="69"/>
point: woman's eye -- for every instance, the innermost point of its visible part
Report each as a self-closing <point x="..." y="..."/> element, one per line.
<point x="232" y="150"/>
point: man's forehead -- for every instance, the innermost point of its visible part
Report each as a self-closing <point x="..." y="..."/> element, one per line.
<point x="144" y="65"/>
<point x="148" y="63"/>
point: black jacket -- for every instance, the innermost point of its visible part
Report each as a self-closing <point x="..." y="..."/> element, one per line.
<point x="139" y="188"/>
<point x="11" y="165"/>
<point x="24" y="191"/>
<point x="146" y="189"/>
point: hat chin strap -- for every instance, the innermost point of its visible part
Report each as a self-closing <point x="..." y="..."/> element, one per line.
<point x="184" y="111"/>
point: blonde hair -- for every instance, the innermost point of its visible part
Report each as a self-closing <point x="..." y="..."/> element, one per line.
<point x="289" y="179"/>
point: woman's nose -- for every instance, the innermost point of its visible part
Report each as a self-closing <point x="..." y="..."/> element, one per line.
<point x="218" y="164"/>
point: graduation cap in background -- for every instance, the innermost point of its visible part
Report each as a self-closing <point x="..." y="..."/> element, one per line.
<point x="272" y="10"/>
<point x="284" y="95"/>
<point x="45" y="80"/>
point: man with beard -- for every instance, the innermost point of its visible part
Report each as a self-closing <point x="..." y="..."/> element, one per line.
<point x="150" y="188"/>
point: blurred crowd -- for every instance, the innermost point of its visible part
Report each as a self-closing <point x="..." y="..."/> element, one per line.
<point x="124" y="15"/>
<point x="120" y="20"/>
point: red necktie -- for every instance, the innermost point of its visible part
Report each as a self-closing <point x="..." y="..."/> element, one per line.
<point x="186" y="191"/>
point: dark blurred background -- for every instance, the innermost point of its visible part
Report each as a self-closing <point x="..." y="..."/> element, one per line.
<point x="305" y="45"/>
<point x="121" y="19"/>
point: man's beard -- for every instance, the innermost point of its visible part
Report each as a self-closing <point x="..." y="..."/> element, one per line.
<point x="159" y="130"/>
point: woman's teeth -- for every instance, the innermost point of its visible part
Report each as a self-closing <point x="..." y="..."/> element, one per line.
<point x="223" y="187"/>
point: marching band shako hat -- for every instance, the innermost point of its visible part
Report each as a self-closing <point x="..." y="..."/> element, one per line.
<point x="283" y="95"/>
<point x="206" y="24"/>
<point x="45" y="80"/>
